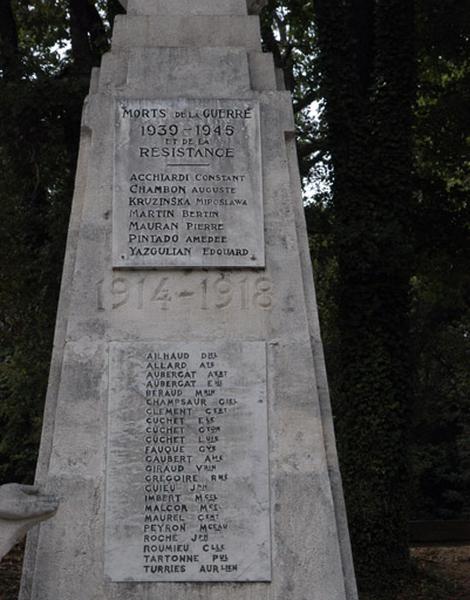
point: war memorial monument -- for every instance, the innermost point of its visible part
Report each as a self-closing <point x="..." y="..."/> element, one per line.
<point x="188" y="431"/>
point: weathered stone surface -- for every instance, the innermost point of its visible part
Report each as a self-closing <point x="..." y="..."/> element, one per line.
<point x="187" y="7"/>
<point x="224" y="70"/>
<point x="262" y="74"/>
<point x="187" y="184"/>
<point x="180" y="31"/>
<point x="102" y="308"/>
<point x="187" y="467"/>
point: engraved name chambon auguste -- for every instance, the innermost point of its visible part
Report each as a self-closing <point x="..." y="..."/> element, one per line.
<point x="187" y="477"/>
<point x="187" y="184"/>
<point x="213" y="291"/>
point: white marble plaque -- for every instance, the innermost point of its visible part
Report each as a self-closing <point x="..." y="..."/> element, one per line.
<point x="187" y="184"/>
<point x="187" y="462"/>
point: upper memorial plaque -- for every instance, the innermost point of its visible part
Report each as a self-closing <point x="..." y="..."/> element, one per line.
<point x="187" y="184"/>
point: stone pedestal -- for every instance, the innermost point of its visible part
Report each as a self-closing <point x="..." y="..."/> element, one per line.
<point x="188" y="430"/>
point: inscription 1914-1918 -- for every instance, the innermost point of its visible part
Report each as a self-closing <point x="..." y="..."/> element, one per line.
<point x="187" y="184"/>
<point x="187" y="475"/>
<point x="215" y="291"/>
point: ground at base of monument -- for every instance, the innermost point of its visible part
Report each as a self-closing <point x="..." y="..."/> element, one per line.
<point x="443" y="574"/>
<point x="439" y="573"/>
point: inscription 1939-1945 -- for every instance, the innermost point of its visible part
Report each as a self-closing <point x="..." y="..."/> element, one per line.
<point x="187" y="184"/>
<point x="187" y="475"/>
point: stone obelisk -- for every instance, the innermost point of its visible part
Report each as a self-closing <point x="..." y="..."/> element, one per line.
<point x="187" y="430"/>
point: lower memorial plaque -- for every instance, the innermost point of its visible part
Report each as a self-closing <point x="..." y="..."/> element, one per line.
<point x="188" y="473"/>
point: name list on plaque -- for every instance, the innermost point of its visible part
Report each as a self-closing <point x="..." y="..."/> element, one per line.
<point x="187" y="462"/>
<point x="187" y="184"/>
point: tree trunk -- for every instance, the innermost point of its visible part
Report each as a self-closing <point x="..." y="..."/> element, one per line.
<point x="88" y="35"/>
<point x="368" y="62"/>
<point x="9" y="54"/>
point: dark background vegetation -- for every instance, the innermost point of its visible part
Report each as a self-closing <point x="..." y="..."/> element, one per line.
<point x="381" y="93"/>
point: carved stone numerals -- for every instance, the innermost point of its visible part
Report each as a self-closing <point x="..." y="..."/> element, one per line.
<point x="216" y="291"/>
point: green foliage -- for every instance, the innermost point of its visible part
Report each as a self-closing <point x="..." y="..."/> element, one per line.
<point x="400" y="218"/>
<point x="44" y="80"/>
<point x="368" y="79"/>
<point x="42" y="34"/>
<point x="288" y="31"/>
<point x="35" y="192"/>
<point x="441" y="284"/>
